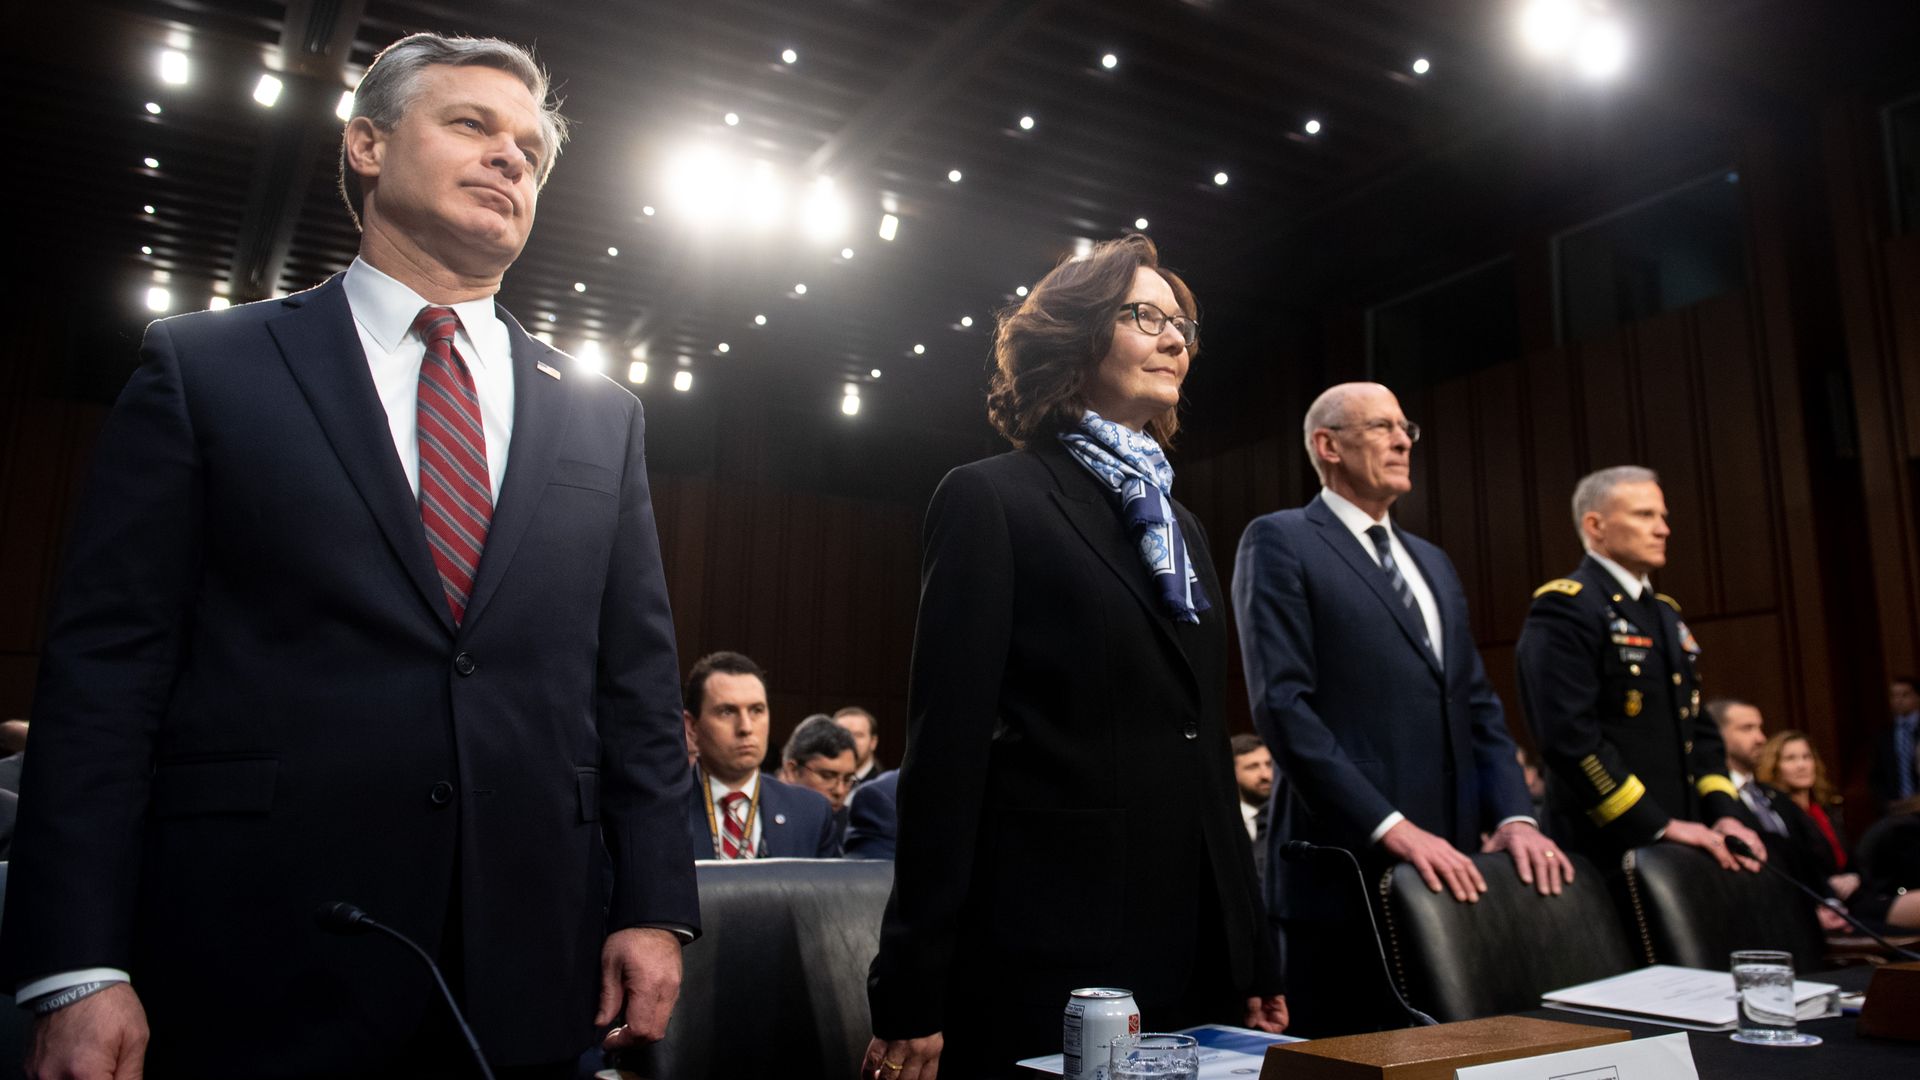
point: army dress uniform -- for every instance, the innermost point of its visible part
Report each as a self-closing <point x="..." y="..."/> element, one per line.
<point x="1609" y="687"/>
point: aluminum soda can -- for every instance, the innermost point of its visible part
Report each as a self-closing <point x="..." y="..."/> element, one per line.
<point x="1095" y="1016"/>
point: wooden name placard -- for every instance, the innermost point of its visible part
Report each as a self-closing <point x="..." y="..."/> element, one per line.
<point x="1429" y="1053"/>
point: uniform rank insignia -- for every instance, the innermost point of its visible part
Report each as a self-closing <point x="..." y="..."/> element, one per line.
<point x="1633" y="703"/>
<point x="1686" y="638"/>
<point x="1559" y="585"/>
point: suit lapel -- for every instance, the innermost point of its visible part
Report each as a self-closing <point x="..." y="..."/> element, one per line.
<point x="1087" y="507"/>
<point x="540" y="418"/>
<point x="1347" y="546"/>
<point x="321" y="348"/>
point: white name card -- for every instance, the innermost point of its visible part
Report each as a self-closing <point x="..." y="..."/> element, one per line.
<point x="1664" y="1057"/>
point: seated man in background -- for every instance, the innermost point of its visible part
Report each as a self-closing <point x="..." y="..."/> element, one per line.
<point x="1896" y="764"/>
<point x="1789" y="833"/>
<point x="819" y="756"/>
<point x="872" y="811"/>
<point x="738" y="812"/>
<point x="866" y="741"/>
<point x="1253" y="774"/>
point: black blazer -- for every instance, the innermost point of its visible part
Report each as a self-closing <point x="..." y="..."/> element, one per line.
<point x="794" y="823"/>
<point x="253" y="700"/>
<point x="1362" y="717"/>
<point x="1067" y="807"/>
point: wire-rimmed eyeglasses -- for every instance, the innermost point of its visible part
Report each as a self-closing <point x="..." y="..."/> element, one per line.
<point x="1382" y="427"/>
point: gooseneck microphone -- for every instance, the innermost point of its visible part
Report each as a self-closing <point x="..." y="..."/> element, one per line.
<point x="341" y="917"/>
<point x="1300" y="851"/>
<point x="1739" y="847"/>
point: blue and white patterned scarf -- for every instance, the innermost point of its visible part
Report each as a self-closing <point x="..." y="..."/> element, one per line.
<point x="1134" y="470"/>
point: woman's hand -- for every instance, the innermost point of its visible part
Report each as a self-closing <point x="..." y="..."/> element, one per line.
<point x="902" y="1059"/>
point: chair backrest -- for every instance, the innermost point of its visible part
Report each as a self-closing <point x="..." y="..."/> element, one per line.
<point x="777" y="983"/>
<point x="1463" y="961"/>
<point x="1691" y="912"/>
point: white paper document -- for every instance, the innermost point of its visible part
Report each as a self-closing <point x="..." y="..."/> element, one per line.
<point x="1226" y="1053"/>
<point x="1680" y="997"/>
<point x="1663" y="1057"/>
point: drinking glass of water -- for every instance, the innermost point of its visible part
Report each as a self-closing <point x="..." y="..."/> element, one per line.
<point x="1154" y="1056"/>
<point x="1763" y="982"/>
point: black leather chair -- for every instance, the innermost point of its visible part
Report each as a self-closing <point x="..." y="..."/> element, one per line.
<point x="1464" y="961"/>
<point x="16" y="1031"/>
<point x="777" y="983"/>
<point x="1690" y="912"/>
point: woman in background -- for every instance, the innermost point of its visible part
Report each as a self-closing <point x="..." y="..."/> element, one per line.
<point x="1067" y="805"/>
<point x="1789" y="763"/>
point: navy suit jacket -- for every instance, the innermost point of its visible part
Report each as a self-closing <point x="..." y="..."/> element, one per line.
<point x="253" y="700"/>
<point x="872" y="813"/>
<point x="1361" y="716"/>
<point x="795" y="823"/>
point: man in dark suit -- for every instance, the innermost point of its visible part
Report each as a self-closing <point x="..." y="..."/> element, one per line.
<point x="872" y="812"/>
<point x="735" y="811"/>
<point x="1366" y="684"/>
<point x="866" y="742"/>
<point x="325" y="635"/>
<point x="1606" y="669"/>
<point x="1253" y="773"/>
<point x="1895" y="771"/>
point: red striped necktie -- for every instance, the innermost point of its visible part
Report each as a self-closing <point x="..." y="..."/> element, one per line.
<point x="733" y="834"/>
<point x="456" y="500"/>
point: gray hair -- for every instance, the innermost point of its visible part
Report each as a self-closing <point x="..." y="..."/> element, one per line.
<point x="392" y="84"/>
<point x="817" y="736"/>
<point x="1595" y="488"/>
<point x="1328" y="410"/>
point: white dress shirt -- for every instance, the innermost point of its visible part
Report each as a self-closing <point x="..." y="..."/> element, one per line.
<point x="720" y="790"/>
<point x="383" y="314"/>
<point x="1249" y="812"/>
<point x="1631" y="587"/>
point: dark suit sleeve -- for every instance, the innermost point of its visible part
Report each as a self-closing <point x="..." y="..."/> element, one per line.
<point x="826" y="845"/>
<point x="119" y="625"/>
<point x="870" y="822"/>
<point x="1276" y="646"/>
<point x="1560" y="688"/>
<point x="960" y="649"/>
<point x="643" y="766"/>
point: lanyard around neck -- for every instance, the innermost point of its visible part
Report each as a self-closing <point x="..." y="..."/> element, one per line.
<point x="713" y="820"/>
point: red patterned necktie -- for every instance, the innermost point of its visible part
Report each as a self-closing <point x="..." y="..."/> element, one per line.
<point x="456" y="501"/>
<point x="733" y="834"/>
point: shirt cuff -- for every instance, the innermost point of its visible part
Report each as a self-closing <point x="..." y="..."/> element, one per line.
<point x="53" y="984"/>
<point x="1386" y="823"/>
<point x="684" y="933"/>
<point x="1526" y="818"/>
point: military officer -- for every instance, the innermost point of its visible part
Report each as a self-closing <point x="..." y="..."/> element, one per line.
<point x="1607" y="678"/>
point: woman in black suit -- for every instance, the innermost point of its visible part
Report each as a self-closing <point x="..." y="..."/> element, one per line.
<point x="1067" y="806"/>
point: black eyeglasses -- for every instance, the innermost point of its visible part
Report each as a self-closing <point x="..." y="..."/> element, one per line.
<point x="1151" y="320"/>
<point x="1382" y="427"/>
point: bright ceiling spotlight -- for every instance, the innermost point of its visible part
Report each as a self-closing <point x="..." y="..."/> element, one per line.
<point x="1026" y="123"/>
<point x="1601" y="52"/>
<point x="1312" y="127"/>
<point x="647" y="210"/>
<point x="759" y="320"/>
<point x="146" y="249"/>
<point x="153" y="108"/>
<point x="218" y="303"/>
<point x="1220" y="179"/>
<point x="889" y="226"/>
<point x="788" y="56"/>
<point x="824" y="213"/>
<point x="637" y="372"/>
<point x="267" y="90"/>
<point x="732" y="119"/>
<point x="579" y="286"/>
<point x="919" y="350"/>
<point x="702" y="185"/>
<point x="683" y="380"/>
<point x="344" y="107"/>
<point x="151" y="163"/>
<point x="589" y="356"/>
<point x="966" y="320"/>
<point x="724" y="347"/>
<point x="800" y="288"/>
<point x="543" y="337"/>
<point x="874" y="374"/>
<point x="1109" y="61"/>
<point x="1548" y="27"/>
<point x="613" y="252"/>
<point x="846" y="253"/>
<point x="953" y="176"/>
<point x="1140" y="223"/>
<point x="147" y="209"/>
<point x="763" y="198"/>
<point x="159" y="299"/>
<point x="850" y="405"/>
<point x="1020" y="290"/>
<point x="1421" y="66"/>
<point x="173" y="67"/>
<point x="638" y="352"/>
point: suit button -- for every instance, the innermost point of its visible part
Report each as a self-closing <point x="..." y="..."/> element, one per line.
<point x="1689" y="745"/>
<point x="463" y="664"/>
<point x="1191" y="731"/>
<point x="441" y="795"/>
<point x="1676" y="678"/>
<point x="1634" y="669"/>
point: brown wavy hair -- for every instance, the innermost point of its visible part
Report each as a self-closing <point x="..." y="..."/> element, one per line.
<point x="1047" y="348"/>
<point x="1766" y="765"/>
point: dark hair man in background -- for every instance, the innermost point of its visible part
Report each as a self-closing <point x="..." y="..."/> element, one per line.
<point x="736" y="811"/>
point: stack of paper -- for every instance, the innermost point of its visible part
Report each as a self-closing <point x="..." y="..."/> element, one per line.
<point x="1681" y="997"/>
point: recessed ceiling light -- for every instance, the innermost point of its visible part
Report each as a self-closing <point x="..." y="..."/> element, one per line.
<point x="152" y="162"/>
<point x="1020" y="291"/>
<point x="267" y="90"/>
<point x="788" y="56"/>
<point x="647" y="210"/>
<point x="145" y="250"/>
<point x="800" y="289"/>
<point x="683" y="380"/>
<point x="544" y="337"/>
<point x="1139" y="223"/>
<point x="1220" y="179"/>
<point x="850" y="405"/>
<point x="846" y="253"/>
<point x="173" y="67"/>
<point x="966" y="320"/>
<point x="1109" y="61"/>
<point x="153" y="107"/>
<point x="159" y="299"/>
<point x="579" y="286"/>
<point x="889" y="226"/>
<point x="732" y="119"/>
<point x="724" y="347"/>
<point x="147" y="208"/>
<point x="953" y="175"/>
<point x="759" y="320"/>
<point x="614" y="252"/>
<point x="1421" y="66"/>
<point x="551" y="317"/>
<point x="1601" y="52"/>
<point x="875" y="373"/>
<point x="638" y="352"/>
<point x="588" y="355"/>
<point x="1312" y="127"/>
<point x="1026" y="123"/>
<point x="344" y="107"/>
<point x="219" y="303"/>
<point x="919" y="350"/>
<point x="637" y="372"/>
<point x="851" y="389"/>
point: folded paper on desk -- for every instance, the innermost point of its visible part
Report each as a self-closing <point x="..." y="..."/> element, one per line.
<point x="1681" y="997"/>
<point x="1224" y="1052"/>
<point x="1663" y="1057"/>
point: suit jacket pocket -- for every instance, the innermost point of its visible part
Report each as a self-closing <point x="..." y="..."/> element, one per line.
<point x="585" y="474"/>
<point x="1055" y="897"/>
<point x="229" y="786"/>
<point x="587" y="779"/>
